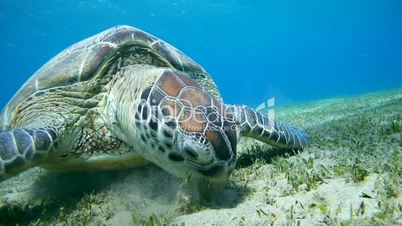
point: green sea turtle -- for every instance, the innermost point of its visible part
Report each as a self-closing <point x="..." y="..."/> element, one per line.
<point x="123" y="98"/>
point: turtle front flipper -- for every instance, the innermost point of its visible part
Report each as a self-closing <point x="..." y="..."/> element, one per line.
<point x="22" y="148"/>
<point x="256" y="125"/>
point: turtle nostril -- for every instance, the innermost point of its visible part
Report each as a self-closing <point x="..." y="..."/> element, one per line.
<point x="190" y="151"/>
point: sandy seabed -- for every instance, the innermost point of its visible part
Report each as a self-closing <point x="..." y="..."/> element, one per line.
<point x="350" y="175"/>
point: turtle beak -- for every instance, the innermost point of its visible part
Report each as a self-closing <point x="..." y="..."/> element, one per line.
<point x="196" y="152"/>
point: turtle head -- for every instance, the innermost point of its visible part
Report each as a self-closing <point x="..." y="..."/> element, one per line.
<point x="187" y="130"/>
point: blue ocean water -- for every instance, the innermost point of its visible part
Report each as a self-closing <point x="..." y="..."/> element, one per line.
<point x="292" y="50"/>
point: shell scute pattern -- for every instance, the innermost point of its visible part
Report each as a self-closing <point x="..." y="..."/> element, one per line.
<point x="81" y="62"/>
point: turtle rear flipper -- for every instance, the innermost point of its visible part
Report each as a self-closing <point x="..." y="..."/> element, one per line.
<point x="256" y="125"/>
<point x="22" y="148"/>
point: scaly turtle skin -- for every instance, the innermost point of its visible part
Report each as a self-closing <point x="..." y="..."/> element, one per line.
<point x="124" y="98"/>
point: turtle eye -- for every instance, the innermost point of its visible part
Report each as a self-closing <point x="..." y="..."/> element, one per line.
<point x="152" y="95"/>
<point x="217" y="140"/>
<point x="155" y="97"/>
<point x="145" y="93"/>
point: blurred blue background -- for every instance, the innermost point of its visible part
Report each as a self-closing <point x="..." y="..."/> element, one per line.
<point x="293" y="50"/>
